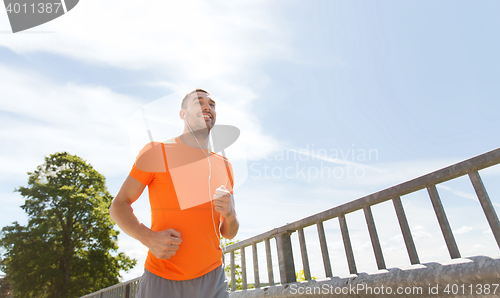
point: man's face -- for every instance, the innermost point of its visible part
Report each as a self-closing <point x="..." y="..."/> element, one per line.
<point x="200" y="111"/>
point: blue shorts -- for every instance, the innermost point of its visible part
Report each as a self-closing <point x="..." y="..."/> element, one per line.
<point x="211" y="285"/>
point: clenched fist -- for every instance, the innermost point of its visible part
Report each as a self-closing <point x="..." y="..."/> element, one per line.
<point x="224" y="202"/>
<point x="163" y="244"/>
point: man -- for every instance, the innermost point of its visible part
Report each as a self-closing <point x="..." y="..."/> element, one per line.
<point x="190" y="192"/>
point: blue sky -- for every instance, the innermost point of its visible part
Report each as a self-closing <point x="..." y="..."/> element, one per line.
<point x="414" y="81"/>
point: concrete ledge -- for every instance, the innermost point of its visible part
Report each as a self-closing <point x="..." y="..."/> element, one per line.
<point x="424" y="280"/>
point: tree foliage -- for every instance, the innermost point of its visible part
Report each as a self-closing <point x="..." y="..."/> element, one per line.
<point x="69" y="246"/>
<point x="237" y="267"/>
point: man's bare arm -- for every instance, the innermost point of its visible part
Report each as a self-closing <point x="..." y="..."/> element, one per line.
<point x="229" y="227"/>
<point x="163" y="244"/>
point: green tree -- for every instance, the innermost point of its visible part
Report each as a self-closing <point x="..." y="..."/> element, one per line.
<point x="69" y="246"/>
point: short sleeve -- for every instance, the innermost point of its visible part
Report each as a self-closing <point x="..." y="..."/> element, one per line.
<point x="143" y="177"/>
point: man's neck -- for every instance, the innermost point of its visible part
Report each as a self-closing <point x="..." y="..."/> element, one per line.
<point x="202" y="137"/>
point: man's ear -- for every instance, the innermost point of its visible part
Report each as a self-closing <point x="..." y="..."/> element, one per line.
<point x="182" y="113"/>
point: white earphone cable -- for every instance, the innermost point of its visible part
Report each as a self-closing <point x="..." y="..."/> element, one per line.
<point x="209" y="193"/>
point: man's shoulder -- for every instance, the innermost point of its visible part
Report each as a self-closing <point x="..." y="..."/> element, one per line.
<point x="171" y="141"/>
<point x="150" y="158"/>
<point x="172" y="146"/>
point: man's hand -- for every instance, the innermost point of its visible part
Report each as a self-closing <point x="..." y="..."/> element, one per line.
<point x="224" y="202"/>
<point x="163" y="244"/>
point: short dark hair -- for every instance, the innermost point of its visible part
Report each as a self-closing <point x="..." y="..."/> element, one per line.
<point x="183" y="103"/>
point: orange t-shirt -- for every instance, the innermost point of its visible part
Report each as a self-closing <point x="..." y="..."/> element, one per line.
<point x="177" y="177"/>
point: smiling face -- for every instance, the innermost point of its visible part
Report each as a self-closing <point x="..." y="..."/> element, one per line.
<point x="199" y="109"/>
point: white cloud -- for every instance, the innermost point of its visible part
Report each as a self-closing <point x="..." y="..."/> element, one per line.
<point x="420" y="231"/>
<point x="47" y="117"/>
<point x="324" y="157"/>
<point x="462" y="230"/>
<point x="457" y="192"/>
<point x="191" y="43"/>
<point x="189" y="40"/>
<point x="94" y="122"/>
<point x="491" y="171"/>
